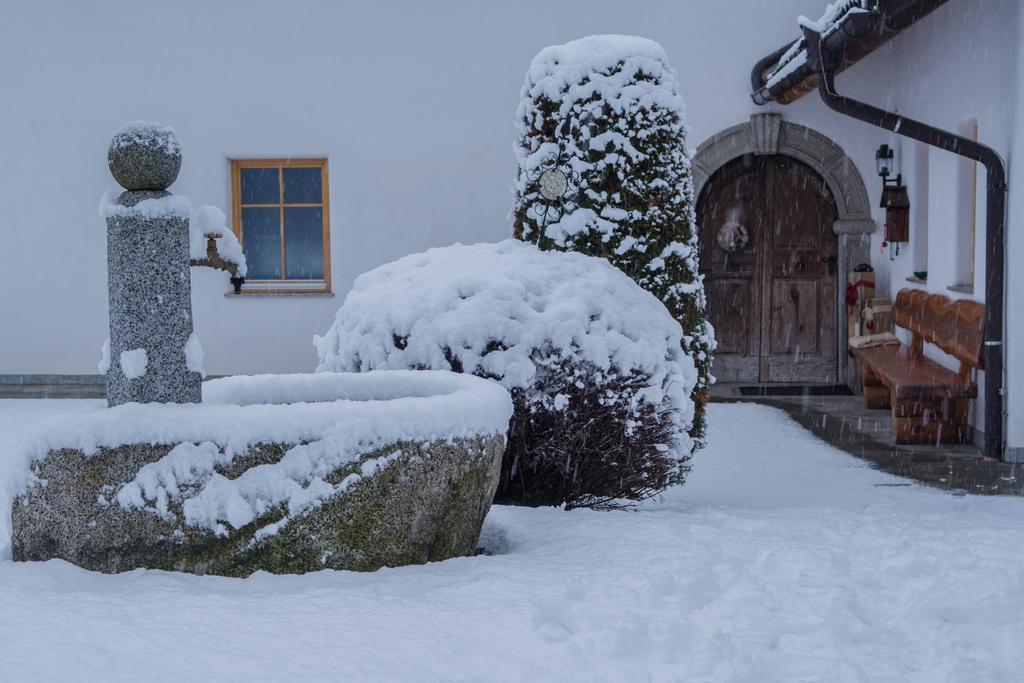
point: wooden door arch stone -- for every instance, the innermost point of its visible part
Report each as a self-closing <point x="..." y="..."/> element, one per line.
<point x="768" y="134"/>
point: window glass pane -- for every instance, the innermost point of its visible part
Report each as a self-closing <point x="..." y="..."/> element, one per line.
<point x="261" y="242"/>
<point x="304" y="242"/>
<point x="302" y="185"/>
<point x="260" y="186"/>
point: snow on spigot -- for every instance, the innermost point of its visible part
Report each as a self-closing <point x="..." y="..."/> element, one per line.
<point x="210" y="220"/>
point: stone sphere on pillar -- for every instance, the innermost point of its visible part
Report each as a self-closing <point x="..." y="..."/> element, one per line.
<point x="144" y="156"/>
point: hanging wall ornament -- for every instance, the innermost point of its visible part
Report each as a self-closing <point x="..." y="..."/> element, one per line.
<point x="553" y="184"/>
<point x="733" y="237"/>
<point x="557" y="182"/>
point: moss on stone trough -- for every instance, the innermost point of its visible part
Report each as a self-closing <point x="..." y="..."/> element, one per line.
<point x="426" y="503"/>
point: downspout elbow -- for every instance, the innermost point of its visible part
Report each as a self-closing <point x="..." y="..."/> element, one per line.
<point x="758" y="92"/>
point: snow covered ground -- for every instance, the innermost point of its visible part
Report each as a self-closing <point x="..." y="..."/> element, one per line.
<point x="781" y="559"/>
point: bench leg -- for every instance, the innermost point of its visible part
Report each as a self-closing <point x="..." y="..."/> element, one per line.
<point x="930" y="422"/>
<point x="876" y="394"/>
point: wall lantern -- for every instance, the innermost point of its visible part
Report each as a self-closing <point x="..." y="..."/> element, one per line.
<point x="884" y="162"/>
<point x="895" y="201"/>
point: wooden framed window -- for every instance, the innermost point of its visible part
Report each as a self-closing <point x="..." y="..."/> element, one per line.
<point x="281" y="215"/>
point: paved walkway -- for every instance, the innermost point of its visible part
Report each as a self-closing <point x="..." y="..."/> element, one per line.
<point x="845" y="423"/>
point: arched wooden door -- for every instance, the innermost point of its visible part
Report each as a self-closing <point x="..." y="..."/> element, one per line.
<point x="768" y="255"/>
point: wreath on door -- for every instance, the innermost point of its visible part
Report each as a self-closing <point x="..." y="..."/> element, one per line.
<point x="733" y="237"/>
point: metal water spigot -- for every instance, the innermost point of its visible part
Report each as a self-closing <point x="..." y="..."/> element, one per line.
<point x="214" y="260"/>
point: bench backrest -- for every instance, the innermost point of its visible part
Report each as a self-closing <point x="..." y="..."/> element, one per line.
<point x="956" y="327"/>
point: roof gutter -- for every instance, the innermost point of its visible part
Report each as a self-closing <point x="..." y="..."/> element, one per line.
<point x="854" y="26"/>
<point x="785" y="74"/>
<point x="824" y="56"/>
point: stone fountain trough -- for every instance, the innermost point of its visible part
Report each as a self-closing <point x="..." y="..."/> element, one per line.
<point x="280" y="473"/>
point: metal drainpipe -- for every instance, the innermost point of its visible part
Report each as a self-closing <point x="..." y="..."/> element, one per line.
<point x="825" y="61"/>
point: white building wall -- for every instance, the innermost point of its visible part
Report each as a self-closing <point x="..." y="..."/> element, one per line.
<point x="1014" y="349"/>
<point x="414" y="105"/>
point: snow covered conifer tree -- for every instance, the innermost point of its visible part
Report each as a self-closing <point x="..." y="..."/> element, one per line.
<point x="604" y="170"/>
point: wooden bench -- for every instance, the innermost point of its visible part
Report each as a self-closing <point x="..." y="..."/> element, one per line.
<point x="929" y="402"/>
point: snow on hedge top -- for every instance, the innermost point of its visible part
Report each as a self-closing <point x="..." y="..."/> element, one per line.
<point x="607" y="66"/>
<point x="611" y="92"/>
<point x="624" y="73"/>
<point x="333" y="419"/>
<point x="491" y="305"/>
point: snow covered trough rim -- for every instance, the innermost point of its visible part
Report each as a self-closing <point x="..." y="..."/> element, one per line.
<point x="350" y="409"/>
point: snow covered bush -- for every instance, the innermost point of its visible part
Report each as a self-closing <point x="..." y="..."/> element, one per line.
<point x="599" y="381"/>
<point x="605" y="111"/>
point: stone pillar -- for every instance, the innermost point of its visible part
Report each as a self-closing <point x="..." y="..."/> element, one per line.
<point x="148" y="275"/>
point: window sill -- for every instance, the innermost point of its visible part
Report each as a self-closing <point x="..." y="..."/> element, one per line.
<point x="916" y="280"/>
<point x="962" y="289"/>
<point x="271" y="293"/>
<point x="264" y="288"/>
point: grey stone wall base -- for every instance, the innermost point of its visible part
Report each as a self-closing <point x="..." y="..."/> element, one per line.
<point x="28" y="380"/>
<point x="52" y="386"/>
<point x="427" y="504"/>
<point x="57" y="386"/>
<point x="1014" y="454"/>
<point x="52" y="391"/>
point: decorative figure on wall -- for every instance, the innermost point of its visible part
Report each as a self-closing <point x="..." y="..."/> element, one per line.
<point x="859" y="289"/>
